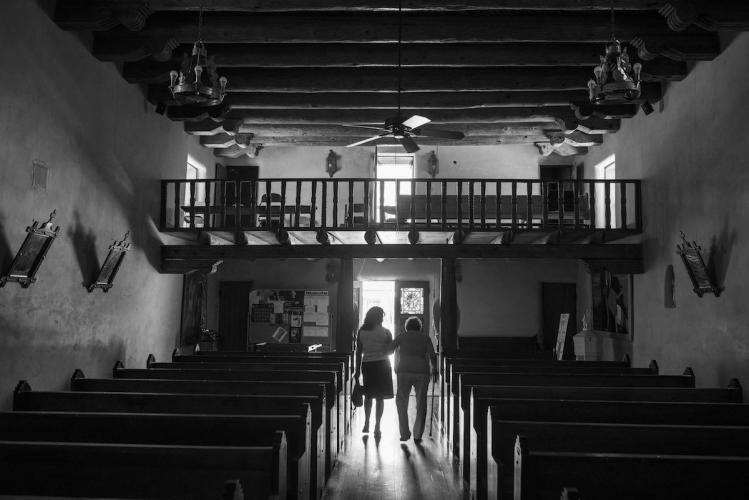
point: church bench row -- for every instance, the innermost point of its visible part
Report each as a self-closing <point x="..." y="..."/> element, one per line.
<point x="457" y="366"/>
<point x="457" y="396"/>
<point x="499" y="358"/>
<point x="338" y="365"/>
<point x="306" y="450"/>
<point x="104" y="470"/>
<point x="540" y="472"/>
<point x="552" y="403"/>
<point x="256" y="373"/>
<point x="615" y="435"/>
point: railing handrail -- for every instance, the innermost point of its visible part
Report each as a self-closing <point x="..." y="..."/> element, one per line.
<point x="414" y="179"/>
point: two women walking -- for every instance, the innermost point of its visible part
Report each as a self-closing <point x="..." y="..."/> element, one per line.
<point x="415" y="354"/>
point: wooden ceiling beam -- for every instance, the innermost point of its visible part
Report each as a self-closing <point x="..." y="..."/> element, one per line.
<point x="725" y="15"/>
<point x="549" y="27"/>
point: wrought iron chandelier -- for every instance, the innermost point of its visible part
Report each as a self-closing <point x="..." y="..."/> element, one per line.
<point x="197" y="81"/>
<point x="616" y="80"/>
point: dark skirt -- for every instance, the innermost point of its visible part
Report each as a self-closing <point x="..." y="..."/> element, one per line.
<point x="378" y="379"/>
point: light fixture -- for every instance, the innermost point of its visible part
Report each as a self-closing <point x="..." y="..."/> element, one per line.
<point x="616" y="80"/>
<point x="331" y="163"/>
<point x="206" y="88"/>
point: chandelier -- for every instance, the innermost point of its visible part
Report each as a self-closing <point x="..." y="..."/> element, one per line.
<point x="616" y="80"/>
<point x="197" y="81"/>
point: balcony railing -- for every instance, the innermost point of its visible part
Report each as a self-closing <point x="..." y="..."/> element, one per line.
<point x="400" y="204"/>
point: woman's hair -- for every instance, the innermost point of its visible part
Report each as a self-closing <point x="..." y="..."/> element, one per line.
<point x="373" y="318"/>
<point x="413" y="324"/>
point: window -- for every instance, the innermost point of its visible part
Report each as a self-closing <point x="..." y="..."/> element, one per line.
<point x="606" y="170"/>
<point x="392" y="165"/>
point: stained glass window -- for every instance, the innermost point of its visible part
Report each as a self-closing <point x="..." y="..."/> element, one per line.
<point x="412" y="301"/>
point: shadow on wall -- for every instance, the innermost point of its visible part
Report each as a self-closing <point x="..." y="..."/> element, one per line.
<point x="84" y="244"/>
<point x="6" y="253"/>
<point x="721" y="247"/>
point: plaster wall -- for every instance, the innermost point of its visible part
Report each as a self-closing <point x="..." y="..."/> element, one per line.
<point x="691" y="159"/>
<point x="106" y="150"/>
<point x="502" y="298"/>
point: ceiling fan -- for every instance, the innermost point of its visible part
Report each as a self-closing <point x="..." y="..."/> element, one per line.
<point x="399" y="127"/>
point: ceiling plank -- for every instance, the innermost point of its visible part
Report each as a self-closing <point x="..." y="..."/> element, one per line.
<point x="531" y="26"/>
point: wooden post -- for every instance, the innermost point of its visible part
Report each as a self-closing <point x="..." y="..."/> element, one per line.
<point x="449" y="308"/>
<point x="345" y="321"/>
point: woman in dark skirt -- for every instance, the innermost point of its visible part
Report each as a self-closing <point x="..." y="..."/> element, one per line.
<point x="373" y="346"/>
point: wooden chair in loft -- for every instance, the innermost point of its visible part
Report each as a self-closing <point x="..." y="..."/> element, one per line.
<point x="275" y="211"/>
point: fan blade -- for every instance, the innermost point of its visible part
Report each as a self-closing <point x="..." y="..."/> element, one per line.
<point x="362" y="126"/>
<point x="409" y="145"/>
<point x="416" y="121"/>
<point x="439" y="133"/>
<point x="373" y="138"/>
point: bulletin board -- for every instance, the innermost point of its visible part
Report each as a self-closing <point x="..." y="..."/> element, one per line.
<point x="290" y="316"/>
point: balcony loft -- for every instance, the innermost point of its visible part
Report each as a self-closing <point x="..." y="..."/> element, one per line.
<point x="595" y="220"/>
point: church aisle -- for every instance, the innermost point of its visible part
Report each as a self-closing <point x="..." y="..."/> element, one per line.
<point x="386" y="469"/>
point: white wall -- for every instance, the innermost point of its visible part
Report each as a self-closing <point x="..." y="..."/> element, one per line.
<point x="692" y="161"/>
<point x="106" y="150"/>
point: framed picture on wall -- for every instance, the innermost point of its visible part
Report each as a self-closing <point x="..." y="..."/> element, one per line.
<point x="612" y="302"/>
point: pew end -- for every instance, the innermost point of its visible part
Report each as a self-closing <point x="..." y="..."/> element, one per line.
<point x="735" y="386"/>
<point x="77" y="375"/>
<point x="150" y="360"/>
<point x="21" y="387"/>
<point x="570" y="494"/>
<point x="688" y="372"/>
<point x="118" y="365"/>
<point x="654" y="366"/>
<point x="233" y="491"/>
<point x="175" y="353"/>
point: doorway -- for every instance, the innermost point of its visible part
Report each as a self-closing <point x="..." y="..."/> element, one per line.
<point x="558" y="299"/>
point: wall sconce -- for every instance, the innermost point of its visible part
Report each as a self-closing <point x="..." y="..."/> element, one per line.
<point x="433" y="164"/>
<point x="331" y="163"/>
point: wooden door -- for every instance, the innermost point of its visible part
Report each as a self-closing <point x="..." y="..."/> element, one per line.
<point x="411" y="299"/>
<point x="233" y="315"/>
<point x="556" y="299"/>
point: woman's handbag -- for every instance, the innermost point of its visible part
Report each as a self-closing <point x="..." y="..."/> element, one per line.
<point x="357" y="395"/>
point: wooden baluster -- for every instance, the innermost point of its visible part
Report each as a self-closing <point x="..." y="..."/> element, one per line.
<point x="592" y="202"/>
<point x="429" y="203"/>
<point x="638" y="205"/>
<point x="324" y="205"/>
<point x="207" y="203"/>
<point x="460" y="205"/>
<point x="560" y="203"/>
<point x="192" y="204"/>
<point x="576" y="202"/>
<point x="162" y="215"/>
<point x="381" y="188"/>
<point x="366" y="203"/>
<point x="443" y="202"/>
<point x="177" y="209"/>
<point x="514" y="201"/>
<point x="413" y="204"/>
<point x="282" y="208"/>
<point x="267" y="204"/>
<point x="529" y="204"/>
<point x="313" y="204"/>
<point x="623" y="195"/>
<point x="237" y="213"/>
<point x="471" y="206"/>
<point x="298" y="203"/>
<point x="335" y="203"/>
<point x="607" y="202"/>
<point x="351" y="203"/>
<point x="254" y="187"/>
<point x="499" y="204"/>
<point x="544" y="204"/>
<point x="483" y="204"/>
<point x="222" y="190"/>
<point x="397" y="204"/>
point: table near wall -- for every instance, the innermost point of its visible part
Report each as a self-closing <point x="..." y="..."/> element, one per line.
<point x="599" y="345"/>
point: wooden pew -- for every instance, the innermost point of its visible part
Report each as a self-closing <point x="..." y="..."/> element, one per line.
<point x="141" y="471"/>
<point x="446" y="363"/>
<point x="202" y="404"/>
<point x="172" y="430"/>
<point x="529" y="366"/>
<point x="645" y="405"/>
<point x="548" y="378"/>
<point x="256" y="374"/>
<point x="541" y="471"/>
<point x="338" y="367"/>
<point x="620" y="436"/>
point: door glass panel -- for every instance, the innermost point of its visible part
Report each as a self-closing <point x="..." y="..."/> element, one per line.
<point x="412" y="301"/>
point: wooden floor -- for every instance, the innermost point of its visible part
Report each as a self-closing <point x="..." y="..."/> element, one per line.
<point x="386" y="469"/>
